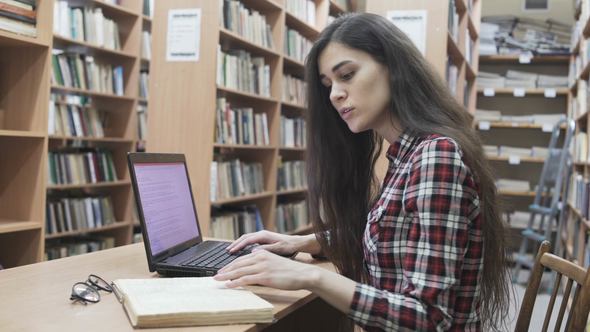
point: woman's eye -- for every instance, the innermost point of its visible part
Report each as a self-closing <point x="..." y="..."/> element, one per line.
<point x="347" y="76"/>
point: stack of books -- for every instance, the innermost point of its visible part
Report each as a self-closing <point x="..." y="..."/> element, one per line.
<point x="19" y="16"/>
<point x="513" y="185"/>
<point x="231" y="223"/>
<point x="520" y="79"/>
<point x="291" y="216"/>
<point x="515" y="35"/>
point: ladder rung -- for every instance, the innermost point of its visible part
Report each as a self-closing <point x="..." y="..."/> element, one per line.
<point x="530" y="234"/>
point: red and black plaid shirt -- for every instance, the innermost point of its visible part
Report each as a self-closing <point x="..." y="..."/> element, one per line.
<point x="423" y="244"/>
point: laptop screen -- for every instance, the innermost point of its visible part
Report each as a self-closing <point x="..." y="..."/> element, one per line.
<point x="166" y="200"/>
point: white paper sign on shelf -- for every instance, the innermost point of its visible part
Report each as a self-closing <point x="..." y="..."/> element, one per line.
<point x="184" y="34"/>
<point x="519" y="92"/>
<point x="550" y="93"/>
<point x="525" y="57"/>
<point x="514" y="160"/>
<point x="489" y="92"/>
<point x="484" y="125"/>
<point x="413" y="24"/>
<point x="547" y="128"/>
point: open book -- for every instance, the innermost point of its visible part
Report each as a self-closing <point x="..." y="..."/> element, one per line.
<point x="165" y="302"/>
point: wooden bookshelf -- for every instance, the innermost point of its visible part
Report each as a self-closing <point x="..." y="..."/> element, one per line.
<point x="520" y="102"/>
<point x="444" y="50"/>
<point x="24" y="92"/>
<point x="575" y="232"/>
<point x="183" y="111"/>
<point x="118" y="115"/>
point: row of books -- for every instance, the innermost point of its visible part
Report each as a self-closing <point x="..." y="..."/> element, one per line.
<point x="304" y="10"/>
<point x="19" y="16"/>
<point x="232" y="223"/>
<point x="452" y="75"/>
<point x="536" y="119"/>
<point x="292" y="175"/>
<point x="579" y="198"/>
<point x="92" y="166"/>
<point x="76" y="214"/>
<point x="520" y="79"/>
<point x="580" y="147"/>
<point x="291" y="216"/>
<point x="513" y="35"/>
<point x="235" y="178"/>
<point x="74" y="121"/>
<point x="294" y="90"/>
<point x="142" y="122"/>
<point x="86" y="24"/>
<point x="513" y="185"/>
<point x="78" y="246"/>
<point x="296" y="46"/>
<point x="143" y="84"/>
<point x="240" y="125"/>
<point x="246" y="22"/>
<point x="80" y="71"/>
<point x="146" y="45"/>
<point x="237" y="69"/>
<point x="510" y="151"/>
<point x="293" y="132"/>
<point x="453" y="21"/>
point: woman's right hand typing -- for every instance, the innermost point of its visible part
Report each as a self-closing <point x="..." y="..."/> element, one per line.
<point x="281" y="244"/>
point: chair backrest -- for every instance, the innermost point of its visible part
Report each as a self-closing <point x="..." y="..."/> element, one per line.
<point x="580" y="305"/>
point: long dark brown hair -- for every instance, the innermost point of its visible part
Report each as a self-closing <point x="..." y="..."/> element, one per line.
<point x="342" y="183"/>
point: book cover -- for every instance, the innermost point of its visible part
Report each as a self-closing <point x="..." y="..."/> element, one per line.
<point x="161" y="302"/>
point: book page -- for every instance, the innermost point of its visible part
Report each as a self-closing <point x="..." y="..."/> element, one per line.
<point x="163" y="296"/>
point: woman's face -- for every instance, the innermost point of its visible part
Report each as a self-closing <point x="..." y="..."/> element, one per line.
<point x="359" y="87"/>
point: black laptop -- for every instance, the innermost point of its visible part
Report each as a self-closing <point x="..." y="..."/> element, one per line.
<point x="169" y="223"/>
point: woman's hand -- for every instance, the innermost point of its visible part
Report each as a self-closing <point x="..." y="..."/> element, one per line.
<point x="280" y="244"/>
<point x="264" y="268"/>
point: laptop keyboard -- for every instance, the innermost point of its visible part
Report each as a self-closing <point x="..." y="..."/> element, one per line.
<point x="216" y="257"/>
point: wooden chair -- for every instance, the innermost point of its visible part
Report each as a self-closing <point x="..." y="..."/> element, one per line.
<point x="580" y="306"/>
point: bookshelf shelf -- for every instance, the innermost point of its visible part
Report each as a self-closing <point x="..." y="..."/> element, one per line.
<point x="21" y="133"/>
<point x="514" y="59"/>
<point x="9" y="226"/>
<point x="504" y="91"/>
<point x="252" y="97"/>
<point x="243" y="199"/>
<point x="302" y="27"/>
<point x="244" y="147"/>
<point x="522" y="159"/>
<point x="88" y="48"/>
<point x="115" y="11"/>
<point x="110" y="227"/>
<point x="530" y="194"/>
<point x="91" y="139"/>
<point x="265" y="6"/>
<point x="233" y="40"/>
<point x="335" y="8"/>
<point x="92" y="93"/>
<point x="293" y="106"/>
<point x="515" y="125"/>
<point x="294" y="149"/>
<point x="10" y="39"/>
<point x="108" y="184"/>
<point x="290" y="62"/>
<point x="292" y="191"/>
<point x="453" y="50"/>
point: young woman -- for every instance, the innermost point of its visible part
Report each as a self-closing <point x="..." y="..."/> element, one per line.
<point x="423" y="251"/>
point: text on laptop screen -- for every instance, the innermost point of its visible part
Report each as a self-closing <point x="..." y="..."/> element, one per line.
<point x="165" y="198"/>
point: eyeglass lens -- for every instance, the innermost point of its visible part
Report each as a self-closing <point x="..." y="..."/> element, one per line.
<point x="85" y="292"/>
<point x="99" y="283"/>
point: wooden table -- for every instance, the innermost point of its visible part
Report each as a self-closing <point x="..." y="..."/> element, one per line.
<point x="36" y="297"/>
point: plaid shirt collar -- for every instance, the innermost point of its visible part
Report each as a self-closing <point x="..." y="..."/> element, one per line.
<point x="398" y="151"/>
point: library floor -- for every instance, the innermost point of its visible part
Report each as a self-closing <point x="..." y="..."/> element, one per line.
<point x="540" y="305"/>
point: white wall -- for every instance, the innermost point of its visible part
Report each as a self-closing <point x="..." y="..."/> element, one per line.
<point x="559" y="10"/>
